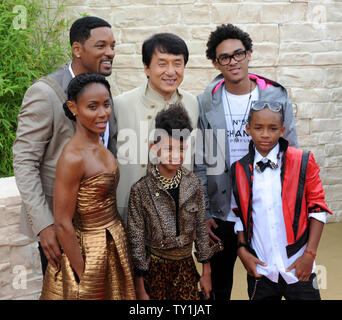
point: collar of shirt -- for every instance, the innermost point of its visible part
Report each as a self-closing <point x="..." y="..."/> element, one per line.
<point x="156" y="98"/>
<point x="72" y="72"/>
<point x="272" y="155"/>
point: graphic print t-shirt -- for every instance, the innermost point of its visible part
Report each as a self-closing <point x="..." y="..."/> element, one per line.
<point x="236" y="109"/>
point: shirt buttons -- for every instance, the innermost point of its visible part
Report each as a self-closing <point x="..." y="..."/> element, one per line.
<point x="149" y="117"/>
<point x="143" y="165"/>
<point x="153" y="106"/>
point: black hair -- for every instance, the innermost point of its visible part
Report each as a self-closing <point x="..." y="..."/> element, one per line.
<point x="164" y="43"/>
<point x="175" y="121"/>
<point x="225" y="32"/>
<point x="252" y="111"/>
<point x="80" y="29"/>
<point x="77" y="86"/>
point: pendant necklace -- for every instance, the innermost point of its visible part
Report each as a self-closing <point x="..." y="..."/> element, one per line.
<point x="236" y="139"/>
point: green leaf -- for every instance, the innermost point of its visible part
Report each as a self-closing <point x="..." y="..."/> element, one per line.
<point x="30" y="53"/>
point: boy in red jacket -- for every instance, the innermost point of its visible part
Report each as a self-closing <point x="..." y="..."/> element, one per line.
<point x="282" y="210"/>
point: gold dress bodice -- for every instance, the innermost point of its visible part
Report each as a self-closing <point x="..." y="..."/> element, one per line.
<point x="103" y="243"/>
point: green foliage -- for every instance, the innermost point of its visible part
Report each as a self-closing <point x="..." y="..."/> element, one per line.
<point x="33" y="43"/>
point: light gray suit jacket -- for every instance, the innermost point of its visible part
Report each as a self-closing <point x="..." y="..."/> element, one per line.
<point x="133" y="109"/>
<point x="43" y="130"/>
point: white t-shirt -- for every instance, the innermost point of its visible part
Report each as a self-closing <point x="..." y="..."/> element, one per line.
<point x="236" y="109"/>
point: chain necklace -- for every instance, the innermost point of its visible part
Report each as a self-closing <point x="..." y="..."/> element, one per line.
<point x="170" y="183"/>
<point x="236" y="139"/>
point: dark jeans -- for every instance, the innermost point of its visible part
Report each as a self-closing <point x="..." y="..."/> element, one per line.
<point x="265" y="289"/>
<point x="43" y="259"/>
<point x="222" y="263"/>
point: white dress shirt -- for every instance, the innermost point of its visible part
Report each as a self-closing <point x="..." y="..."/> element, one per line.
<point x="269" y="233"/>
<point x="106" y="134"/>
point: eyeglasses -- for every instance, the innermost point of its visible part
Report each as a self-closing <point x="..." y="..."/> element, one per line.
<point x="273" y="106"/>
<point x="225" y="58"/>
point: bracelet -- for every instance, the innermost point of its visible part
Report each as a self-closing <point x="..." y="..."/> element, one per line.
<point x="310" y="252"/>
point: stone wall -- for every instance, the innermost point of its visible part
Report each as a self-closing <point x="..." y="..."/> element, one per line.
<point x="20" y="269"/>
<point x="296" y="42"/>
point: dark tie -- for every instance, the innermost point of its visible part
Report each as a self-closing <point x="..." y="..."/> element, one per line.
<point x="261" y="166"/>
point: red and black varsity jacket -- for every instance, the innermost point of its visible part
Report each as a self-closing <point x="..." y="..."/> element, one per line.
<point x="302" y="193"/>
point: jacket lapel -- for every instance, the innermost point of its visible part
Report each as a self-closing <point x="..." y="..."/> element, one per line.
<point x="247" y="165"/>
<point x="187" y="188"/>
<point x="217" y="120"/>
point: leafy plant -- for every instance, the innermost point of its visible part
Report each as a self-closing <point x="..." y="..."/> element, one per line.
<point x="33" y="43"/>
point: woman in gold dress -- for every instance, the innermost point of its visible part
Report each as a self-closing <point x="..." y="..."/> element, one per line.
<point x="95" y="261"/>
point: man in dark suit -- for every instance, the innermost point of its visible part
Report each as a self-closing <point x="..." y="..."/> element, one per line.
<point x="43" y="130"/>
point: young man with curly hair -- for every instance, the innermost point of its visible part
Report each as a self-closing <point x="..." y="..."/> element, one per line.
<point x="224" y="106"/>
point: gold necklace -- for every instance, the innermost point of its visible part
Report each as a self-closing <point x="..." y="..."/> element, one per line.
<point x="170" y="183"/>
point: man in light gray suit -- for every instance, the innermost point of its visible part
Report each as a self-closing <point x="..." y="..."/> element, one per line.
<point x="43" y="130"/>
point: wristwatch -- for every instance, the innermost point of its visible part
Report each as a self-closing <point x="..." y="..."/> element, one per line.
<point x="241" y="244"/>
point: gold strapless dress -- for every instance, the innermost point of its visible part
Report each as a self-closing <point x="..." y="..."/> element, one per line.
<point x="108" y="269"/>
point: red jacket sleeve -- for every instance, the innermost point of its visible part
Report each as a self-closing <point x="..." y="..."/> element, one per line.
<point x="315" y="196"/>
